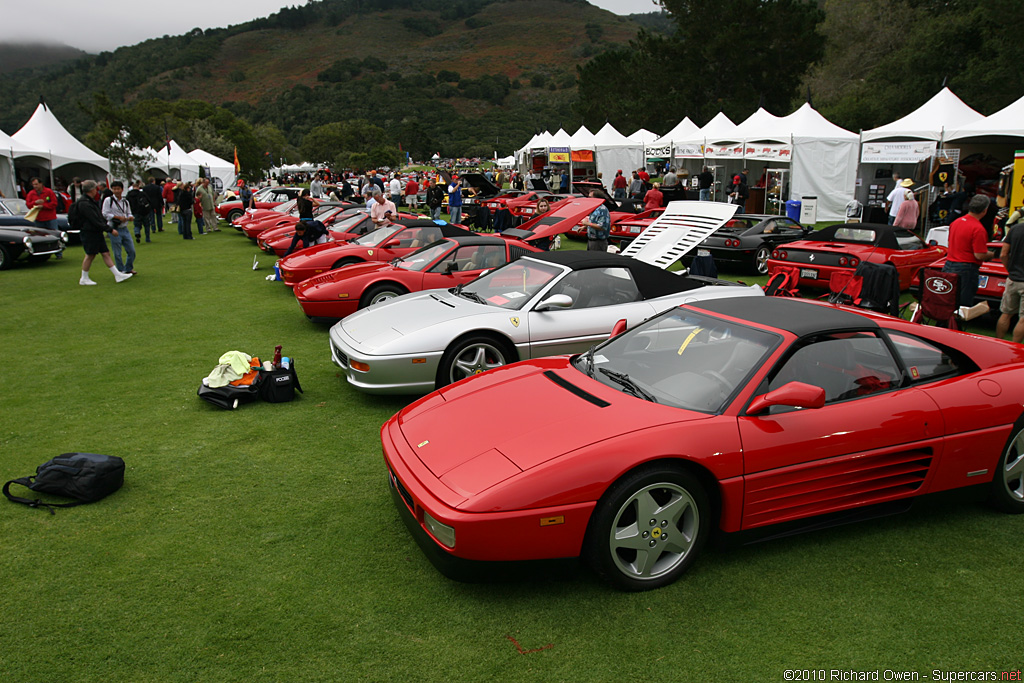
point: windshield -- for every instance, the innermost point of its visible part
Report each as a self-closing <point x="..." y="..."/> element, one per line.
<point x="512" y="285"/>
<point x="419" y="260"/>
<point x="348" y="222"/>
<point x="17" y="206"/>
<point x="681" y="358"/>
<point x="377" y="237"/>
<point x="286" y="207"/>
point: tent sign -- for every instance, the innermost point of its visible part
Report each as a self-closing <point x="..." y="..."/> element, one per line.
<point x="558" y="155"/>
<point x="897" y="152"/>
<point x="689" y="152"/>
<point x="769" y="152"/>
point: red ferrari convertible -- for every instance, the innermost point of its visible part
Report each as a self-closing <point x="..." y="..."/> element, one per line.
<point x="843" y="246"/>
<point x="726" y="415"/>
<point x="442" y="265"/>
<point x="383" y="244"/>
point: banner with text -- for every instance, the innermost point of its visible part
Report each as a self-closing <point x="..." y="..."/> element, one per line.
<point x="897" y="152"/>
<point x="558" y="155"/>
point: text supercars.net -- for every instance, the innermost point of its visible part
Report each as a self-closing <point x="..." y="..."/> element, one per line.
<point x="898" y="675"/>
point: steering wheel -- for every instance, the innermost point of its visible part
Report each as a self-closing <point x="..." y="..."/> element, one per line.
<point x="719" y="378"/>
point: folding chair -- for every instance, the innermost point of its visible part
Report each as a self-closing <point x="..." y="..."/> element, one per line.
<point x="783" y="282"/>
<point x="938" y="299"/>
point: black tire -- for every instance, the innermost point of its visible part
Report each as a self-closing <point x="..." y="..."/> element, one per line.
<point x="1006" y="492"/>
<point x="470" y="356"/>
<point x="633" y="542"/>
<point x="5" y="258"/>
<point x="381" y="292"/>
<point x="761" y="256"/>
<point x="345" y="262"/>
<point x="233" y="214"/>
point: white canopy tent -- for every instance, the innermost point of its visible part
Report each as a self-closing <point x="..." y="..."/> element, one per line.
<point x="51" y="146"/>
<point x="582" y="139"/>
<point x="945" y="111"/>
<point x="682" y="130"/>
<point x="824" y="158"/>
<point x="175" y="163"/>
<point x="1007" y="122"/>
<point x="220" y="169"/>
<point x="614" y="151"/>
<point x="9" y="149"/>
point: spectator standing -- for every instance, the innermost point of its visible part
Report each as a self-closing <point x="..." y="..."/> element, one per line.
<point x="906" y="217"/>
<point x="435" y="198"/>
<point x="116" y="211"/>
<point x="184" y="197"/>
<point x="967" y="249"/>
<point x="139" y="203"/>
<point x="654" y="199"/>
<point x="599" y="225"/>
<point x="644" y="175"/>
<point x="738" y="192"/>
<point x="88" y="218"/>
<point x="168" y="196"/>
<point x="896" y="198"/>
<point x="455" y="200"/>
<point x="412" y="193"/>
<point x="43" y="198"/>
<point x="395" y="187"/>
<point x="670" y="179"/>
<point x="619" y="185"/>
<point x="316" y="188"/>
<point x="705" y="179"/>
<point x="155" y="219"/>
<point x="1012" y="257"/>
<point x="75" y="191"/>
<point x="207" y="200"/>
<point x="636" y="186"/>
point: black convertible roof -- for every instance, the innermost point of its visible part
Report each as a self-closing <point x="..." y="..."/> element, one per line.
<point x="800" y="317"/>
<point x="652" y="281"/>
<point x="885" y="235"/>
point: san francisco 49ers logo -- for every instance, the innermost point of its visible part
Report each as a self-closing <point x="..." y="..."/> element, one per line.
<point x="938" y="285"/>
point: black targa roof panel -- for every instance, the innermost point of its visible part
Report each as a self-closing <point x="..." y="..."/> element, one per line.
<point x="802" y="318"/>
<point x="652" y="281"/>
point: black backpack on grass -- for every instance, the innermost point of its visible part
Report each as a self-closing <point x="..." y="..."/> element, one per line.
<point x="85" y="477"/>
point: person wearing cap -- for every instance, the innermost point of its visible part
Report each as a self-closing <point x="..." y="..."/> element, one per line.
<point x="737" y="191"/>
<point x="968" y="249"/>
<point x="897" y="197"/>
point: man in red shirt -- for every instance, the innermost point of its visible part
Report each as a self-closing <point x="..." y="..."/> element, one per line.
<point x="412" y="192"/>
<point x="644" y="175"/>
<point x="168" y="195"/>
<point x="968" y="249"/>
<point x="654" y="199"/>
<point x="44" y="198"/>
<point x="619" y="184"/>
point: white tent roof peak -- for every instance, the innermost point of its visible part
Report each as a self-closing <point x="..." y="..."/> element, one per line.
<point x="720" y="128"/>
<point x="560" y="139"/>
<point x="1008" y="121"/>
<point x="643" y="137"/>
<point x="582" y="139"/>
<point x="44" y="133"/>
<point x="609" y="137"/>
<point x="683" y="130"/>
<point x="9" y="146"/>
<point x="761" y="125"/>
<point x="807" y="122"/>
<point x="945" y="111"/>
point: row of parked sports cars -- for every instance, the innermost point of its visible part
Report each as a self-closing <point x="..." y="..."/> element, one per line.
<point x="711" y="408"/>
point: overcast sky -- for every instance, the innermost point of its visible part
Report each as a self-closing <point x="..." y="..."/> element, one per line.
<point x="98" y="25"/>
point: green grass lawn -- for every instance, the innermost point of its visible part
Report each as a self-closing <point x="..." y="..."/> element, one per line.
<point x="261" y="544"/>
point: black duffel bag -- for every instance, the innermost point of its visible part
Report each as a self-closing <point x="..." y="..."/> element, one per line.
<point x="84" y="477"/>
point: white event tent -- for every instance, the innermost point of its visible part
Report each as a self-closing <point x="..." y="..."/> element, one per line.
<point x="10" y="149"/>
<point x="52" y="146"/>
<point x="173" y="162"/>
<point x="220" y="169"/>
<point x="1007" y="122"/>
<point x="945" y="111"/>
<point x="614" y="151"/>
<point x="824" y="161"/>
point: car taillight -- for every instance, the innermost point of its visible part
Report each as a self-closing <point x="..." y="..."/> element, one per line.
<point x="775" y="254"/>
<point x="842" y="260"/>
<point x="854" y="262"/>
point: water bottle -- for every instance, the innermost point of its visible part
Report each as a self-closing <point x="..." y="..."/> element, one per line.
<point x="286" y="362"/>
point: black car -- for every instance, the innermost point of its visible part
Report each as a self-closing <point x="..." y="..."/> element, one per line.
<point x="13" y="211"/>
<point x="20" y="238"/>
<point x="747" y="239"/>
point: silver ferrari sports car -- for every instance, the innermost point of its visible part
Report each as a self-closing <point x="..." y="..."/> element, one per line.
<point x="542" y="304"/>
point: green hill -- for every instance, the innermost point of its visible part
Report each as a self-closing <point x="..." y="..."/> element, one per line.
<point x="456" y="78"/>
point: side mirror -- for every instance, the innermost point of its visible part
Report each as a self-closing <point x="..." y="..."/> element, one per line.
<point x="618" y="328"/>
<point x="555" y="301"/>
<point x="392" y="244"/>
<point x="451" y="267"/>
<point x="793" y="394"/>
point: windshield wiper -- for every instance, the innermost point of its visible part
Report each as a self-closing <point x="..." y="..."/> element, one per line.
<point x="588" y="359"/>
<point x="472" y="296"/>
<point x="627" y="383"/>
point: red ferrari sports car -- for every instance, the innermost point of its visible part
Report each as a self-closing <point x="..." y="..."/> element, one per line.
<point x="841" y="247"/>
<point x="442" y="265"/>
<point x="383" y="244"/>
<point x="267" y="198"/>
<point x="991" y="278"/>
<point x="727" y="414"/>
<point x="342" y="227"/>
<point x="257" y="215"/>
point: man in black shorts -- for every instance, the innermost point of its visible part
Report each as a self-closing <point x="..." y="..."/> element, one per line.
<point x="89" y="220"/>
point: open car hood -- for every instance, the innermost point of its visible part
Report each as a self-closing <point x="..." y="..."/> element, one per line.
<point x="678" y="230"/>
<point x="564" y="217"/>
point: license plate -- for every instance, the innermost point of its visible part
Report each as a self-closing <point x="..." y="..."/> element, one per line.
<point x="703" y="252"/>
<point x="982" y="281"/>
<point x="636" y="230"/>
<point x="808" y="274"/>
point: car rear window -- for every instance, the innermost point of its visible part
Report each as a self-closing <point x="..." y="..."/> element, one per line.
<point x="855" y="235"/>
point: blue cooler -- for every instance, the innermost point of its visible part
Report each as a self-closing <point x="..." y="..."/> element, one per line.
<point x="793" y="209"/>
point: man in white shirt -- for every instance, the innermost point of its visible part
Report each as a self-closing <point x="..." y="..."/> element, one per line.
<point x="896" y="197"/>
<point x="116" y="211"/>
<point x="395" y="188"/>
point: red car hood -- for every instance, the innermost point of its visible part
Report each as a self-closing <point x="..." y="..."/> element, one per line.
<point x="466" y="436"/>
<point x="326" y="285"/>
<point x="313" y="256"/>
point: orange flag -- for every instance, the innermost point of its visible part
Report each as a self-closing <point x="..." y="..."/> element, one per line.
<point x="238" y="166"/>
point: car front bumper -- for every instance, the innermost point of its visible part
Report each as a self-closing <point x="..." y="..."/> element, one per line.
<point x="413" y="373"/>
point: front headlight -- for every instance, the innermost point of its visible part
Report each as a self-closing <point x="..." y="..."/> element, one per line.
<point x="64" y="237"/>
<point x="442" y="532"/>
